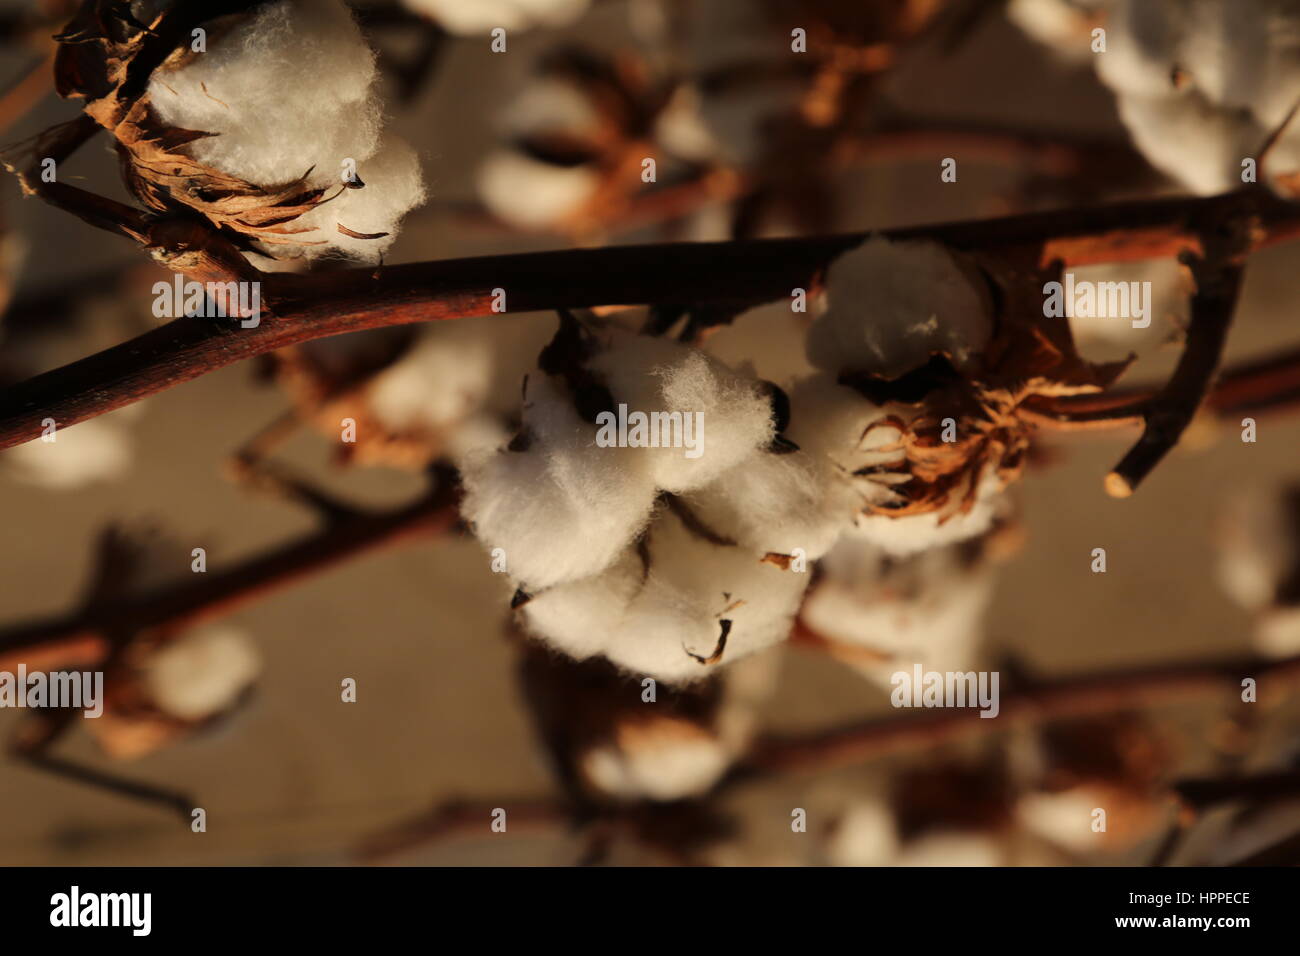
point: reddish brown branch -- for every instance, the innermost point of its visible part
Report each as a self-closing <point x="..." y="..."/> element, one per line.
<point x="735" y="274"/>
<point x="84" y="636"/>
<point x="1073" y="697"/>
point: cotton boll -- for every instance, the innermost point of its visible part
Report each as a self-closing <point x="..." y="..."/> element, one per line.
<point x="550" y="103"/>
<point x="288" y="91"/>
<point x="469" y="17"/>
<point x="95" y="451"/>
<point x="891" y="304"/>
<point x="288" y="88"/>
<point x="1113" y="338"/>
<point x="532" y="194"/>
<point x="1190" y="140"/>
<point x="444" y="378"/>
<point x="394" y="185"/>
<point x="203" y="673"/>
<point x="727" y="416"/>
<point x="777" y="503"/>
<point x="926" y="609"/>
<point x="834" y="421"/>
<point x="692" y="580"/>
<point x="952" y="523"/>
<point x="563" y="509"/>
<point x="1277" y="632"/>
<point x="577" y="617"/>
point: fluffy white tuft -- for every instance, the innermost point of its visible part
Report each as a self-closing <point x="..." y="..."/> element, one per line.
<point x="95" y="451"/>
<point x="290" y="90"/>
<point x="202" y="673"/>
<point x="890" y="305"/>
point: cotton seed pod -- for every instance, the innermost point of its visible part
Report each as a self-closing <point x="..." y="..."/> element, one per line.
<point x="271" y="131"/>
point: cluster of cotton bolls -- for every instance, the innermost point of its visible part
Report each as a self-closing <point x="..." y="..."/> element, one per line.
<point x="1202" y="84"/>
<point x="667" y="560"/>
<point x="482" y="16"/>
<point x="1259" y="566"/>
<point x="288" y="91"/>
<point x="650" y="556"/>
<point x="890" y="307"/>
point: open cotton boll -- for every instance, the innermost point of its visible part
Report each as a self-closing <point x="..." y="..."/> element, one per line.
<point x="564" y="508"/>
<point x="715" y="418"/>
<point x="469" y="17"/>
<point x="530" y="193"/>
<point x="1164" y="287"/>
<point x="94" y="451"/>
<point x="693" y="579"/>
<point x="776" y="504"/>
<point x="577" y="617"/>
<point x="1190" y="140"/>
<point x="440" y="381"/>
<point x="202" y="673"/>
<point x="890" y="304"/>
<point x="288" y="91"/>
<point x="288" y="88"/>
<point x="394" y="185"/>
<point x="954" y="522"/>
<point x="926" y="609"/>
<point x="1064" y="817"/>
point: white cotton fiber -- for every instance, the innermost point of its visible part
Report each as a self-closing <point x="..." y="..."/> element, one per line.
<point x="94" y="451"/>
<point x="1107" y="338"/>
<point x="925" y="609"/>
<point x="951" y="523"/>
<point x="1202" y="83"/>
<point x="948" y="847"/>
<point x="662" y="760"/>
<point x="667" y="622"/>
<point x="531" y="194"/>
<point x="444" y="378"/>
<point x="730" y="413"/>
<point x="202" y="673"/>
<point x="564" y="508"/>
<point x="1062" y="25"/>
<point x="777" y="503"/>
<point x="865" y="835"/>
<point x="890" y="305"/>
<point x="290" y="89"/>
<point x="1256" y="548"/>
<point x="482" y="16"/>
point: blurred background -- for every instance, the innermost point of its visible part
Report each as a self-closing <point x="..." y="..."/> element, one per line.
<point x="295" y="776"/>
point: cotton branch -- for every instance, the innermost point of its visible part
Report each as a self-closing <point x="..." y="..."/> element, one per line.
<point x="1055" y="700"/>
<point x="300" y="308"/>
<point x="87" y="636"/>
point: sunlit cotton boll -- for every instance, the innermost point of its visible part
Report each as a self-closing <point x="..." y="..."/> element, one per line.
<point x="481" y="16"/>
<point x="202" y="673"/>
<point x="1202" y="83"/>
<point x="564" y="507"/>
<point x="289" y="91"/>
<point x="93" y="452"/>
<point x="726" y="416"/>
<point x="890" y="304"/>
<point x="660" y="611"/>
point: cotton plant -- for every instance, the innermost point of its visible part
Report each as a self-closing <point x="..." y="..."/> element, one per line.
<point x="1203" y="85"/>
<point x="269" y="126"/>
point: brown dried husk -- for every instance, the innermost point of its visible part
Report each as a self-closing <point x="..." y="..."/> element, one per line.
<point x="107" y="57"/>
<point x="1030" y="355"/>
